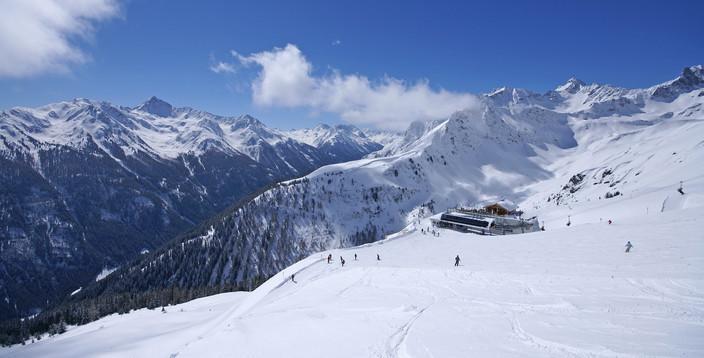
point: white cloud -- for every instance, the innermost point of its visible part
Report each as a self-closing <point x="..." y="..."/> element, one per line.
<point x="222" y="67"/>
<point x="337" y="43"/>
<point x="286" y="79"/>
<point x="39" y="36"/>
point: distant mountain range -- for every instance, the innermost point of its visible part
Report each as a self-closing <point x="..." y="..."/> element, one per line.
<point x="578" y="142"/>
<point x="87" y="185"/>
<point x="342" y="142"/>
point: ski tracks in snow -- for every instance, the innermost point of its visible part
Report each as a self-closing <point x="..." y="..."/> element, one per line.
<point x="396" y="344"/>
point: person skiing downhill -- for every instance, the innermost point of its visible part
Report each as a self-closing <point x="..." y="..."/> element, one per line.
<point x="628" y="247"/>
<point x="378" y="258"/>
<point x="355" y="257"/>
<point x="457" y="260"/>
<point x="342" y="261"/>
<point x="329" y="258"/>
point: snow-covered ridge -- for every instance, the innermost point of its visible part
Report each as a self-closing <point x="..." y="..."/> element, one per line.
<point x="344" y="142"/>
<point x="164" y="131"/>
<point x="154" y="127"/>
<point x="579" y="99"/>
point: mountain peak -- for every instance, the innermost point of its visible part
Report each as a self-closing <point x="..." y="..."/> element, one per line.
<point x="156" y="106"/>
<point x="247" y="121"/>
<point x="692" y="78"/>
<point x="572" y="85"/>
<point x="346" y="127"/>
<point x="693" y="74"/>
<point x="246" y="118"/>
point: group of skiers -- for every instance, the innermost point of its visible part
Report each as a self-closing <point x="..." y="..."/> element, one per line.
<point x="429" y="231"/>
<point x="342" y="259"/>
<point x="378" y="258"/>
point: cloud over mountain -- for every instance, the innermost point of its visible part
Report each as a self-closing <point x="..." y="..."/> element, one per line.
<point x="286" y="78"/>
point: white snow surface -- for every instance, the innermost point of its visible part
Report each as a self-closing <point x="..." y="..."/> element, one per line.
<point x="567" y="292"/>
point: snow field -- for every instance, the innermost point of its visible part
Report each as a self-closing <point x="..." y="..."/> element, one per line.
<point x="567" y="292"/>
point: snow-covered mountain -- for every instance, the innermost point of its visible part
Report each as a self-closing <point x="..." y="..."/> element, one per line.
<point x="87" y="185"/>
<point x="399" y="143"/>
<point x="547" y="152"/>
<point x="342" y="142"/>
<point x="383" y="137"/>
<point x="157" y="129"/>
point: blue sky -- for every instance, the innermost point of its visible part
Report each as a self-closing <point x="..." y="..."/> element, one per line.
<point x="166" y="48"/>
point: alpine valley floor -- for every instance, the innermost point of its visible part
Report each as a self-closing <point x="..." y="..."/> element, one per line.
<point x="565" y="292"/>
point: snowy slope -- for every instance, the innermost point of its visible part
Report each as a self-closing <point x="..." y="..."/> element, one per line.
<point x="399" y="143"/>
<point x="564" y="292"/>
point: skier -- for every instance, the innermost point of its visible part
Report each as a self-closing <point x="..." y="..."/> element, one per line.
<point x="422" y="231"/>
<point x="355" y="257"/>
<point x="378" y="258"/>
<point x="342" y="261"/>
<point x="628" y="247"/>
<point x="329" y="258"/>
<point x="457" y="260"/>
<point x="293" y="278"/>
<point x="610" y="221"/>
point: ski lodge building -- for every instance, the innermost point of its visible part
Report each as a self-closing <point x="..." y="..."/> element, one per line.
<point x="492" y="219"/>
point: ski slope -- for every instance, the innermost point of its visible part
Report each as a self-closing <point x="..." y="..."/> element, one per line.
<point x="566" y="292"/>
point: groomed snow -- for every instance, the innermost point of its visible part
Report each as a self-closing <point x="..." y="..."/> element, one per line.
<point x="566" y="292"/>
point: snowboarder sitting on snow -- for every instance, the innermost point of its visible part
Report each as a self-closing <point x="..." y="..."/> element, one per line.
<point x="628" y="246"/>
<point x="457" y="260"/>
<point x="342" y="261"/>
